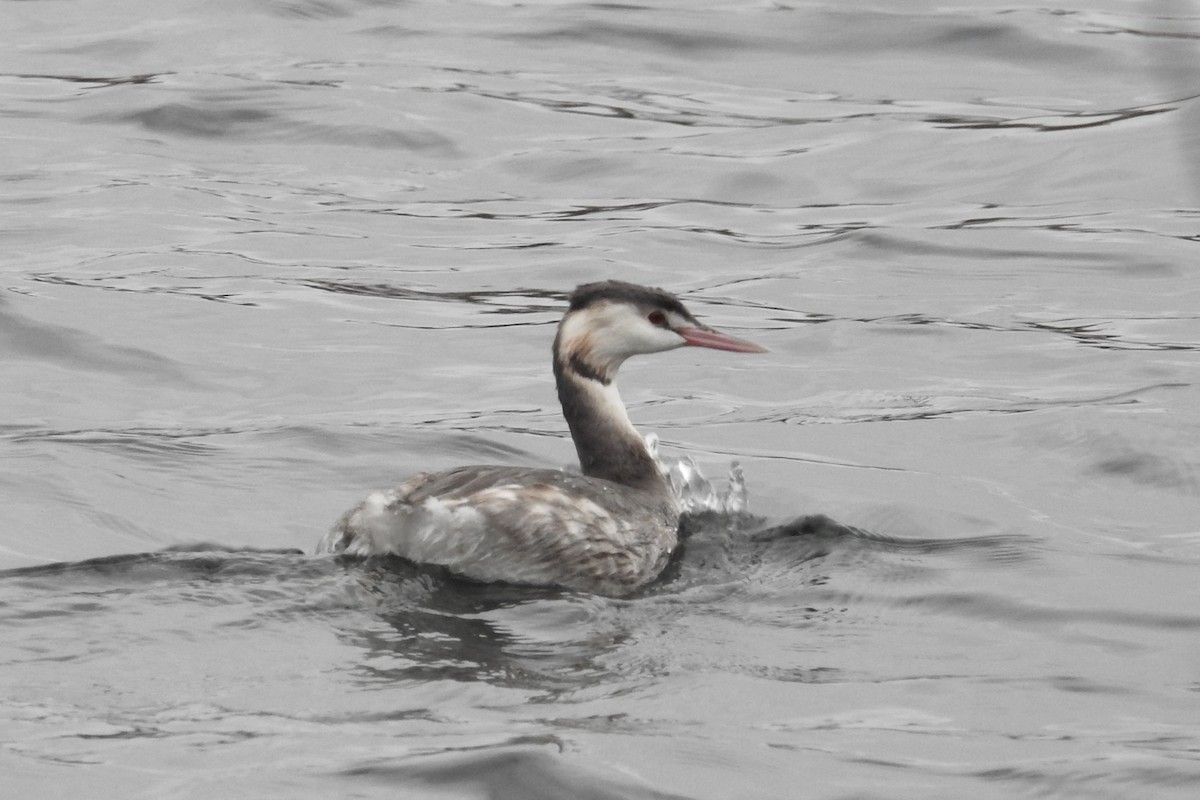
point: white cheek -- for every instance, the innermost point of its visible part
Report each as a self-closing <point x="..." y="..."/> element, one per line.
<point x="635" y="335"/>
<point x="666" y="340"/>
<point x="574" y="328"/>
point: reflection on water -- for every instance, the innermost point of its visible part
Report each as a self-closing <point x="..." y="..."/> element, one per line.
<point x="811" y="586"/>
<point x="424" y="624"/>
<point x="260" y="260"/>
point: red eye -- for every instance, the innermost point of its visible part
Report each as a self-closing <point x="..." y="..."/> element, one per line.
<point x="657" y="318"/>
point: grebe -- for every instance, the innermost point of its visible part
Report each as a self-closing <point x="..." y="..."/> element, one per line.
<point x="608" y="531"/>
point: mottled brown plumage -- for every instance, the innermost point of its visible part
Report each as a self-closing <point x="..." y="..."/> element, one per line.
<point x="610" y="530"/>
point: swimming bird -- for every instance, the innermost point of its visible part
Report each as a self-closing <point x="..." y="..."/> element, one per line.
<point x="611" y="529"/>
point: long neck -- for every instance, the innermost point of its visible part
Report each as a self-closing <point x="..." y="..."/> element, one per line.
<point x="607" y="444"/>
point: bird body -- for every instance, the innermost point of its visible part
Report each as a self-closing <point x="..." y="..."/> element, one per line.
<point x="609" y="530"/>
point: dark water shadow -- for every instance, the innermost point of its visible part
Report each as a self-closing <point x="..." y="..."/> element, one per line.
<point x="821" y="535"/>
<point x="435" y="626"/>
<point x="423" y="624"/>
<point x="515" y="770"/>
<point x="720" y="548"/>
<point x="189" y="561"/>
<point x="429" y="625"/>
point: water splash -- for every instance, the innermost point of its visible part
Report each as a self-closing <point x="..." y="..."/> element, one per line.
<point x="695" y="492"/>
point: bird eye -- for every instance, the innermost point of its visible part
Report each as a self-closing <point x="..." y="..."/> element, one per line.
<point x="657" y="318"/>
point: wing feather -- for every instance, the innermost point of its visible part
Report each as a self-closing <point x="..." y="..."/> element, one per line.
<point x="520" y="525"/>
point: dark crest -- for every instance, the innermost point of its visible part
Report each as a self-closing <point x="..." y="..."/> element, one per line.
<point x="621" y="292"/>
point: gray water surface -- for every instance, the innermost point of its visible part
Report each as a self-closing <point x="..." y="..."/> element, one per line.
<point x="260" y="259"/>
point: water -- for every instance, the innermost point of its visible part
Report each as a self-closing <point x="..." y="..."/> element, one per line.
<point x="260" y="259"/>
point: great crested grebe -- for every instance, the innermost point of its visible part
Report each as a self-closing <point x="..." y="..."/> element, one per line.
<point x="608" y="531"/>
